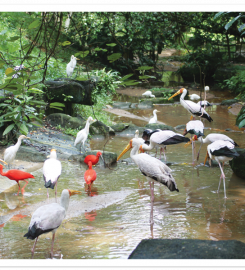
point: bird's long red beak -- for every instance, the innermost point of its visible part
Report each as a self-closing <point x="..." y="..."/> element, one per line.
<point x="176" y="94"/>
<point x="128" y="147"/>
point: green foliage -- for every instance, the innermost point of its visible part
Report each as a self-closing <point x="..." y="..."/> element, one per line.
<point x="68" y="131"/>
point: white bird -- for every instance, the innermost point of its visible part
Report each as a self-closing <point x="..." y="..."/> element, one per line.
<point x="71" y="66"/>
<point x="212" y="137"/>
<point x="204" y="103"/>
<point x="152" y="168"/>
<point x="154" y="118"/>
<point x="148" y="93"/>
<point x="67" y="22"/>
<point x="51" y="172"/>
<point x="48" y="218"/>
<point x="194" y="97"/>
<point x="190" y="106"/>
<point x="10" y="153"/>
<point x="221" y="151"/>
<point x="194" y="127"/>
<point x="161" y="138"/>
<point x="82" y="135"/>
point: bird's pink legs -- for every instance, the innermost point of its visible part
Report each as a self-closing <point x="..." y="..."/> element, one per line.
<point x="223" y="176"/>
<point x="23" y="189"/>
<point x="52" y="246"/>
<point x="152" y="200"/>
<point x="18" y="189"/>
<point x="33" y="248"/>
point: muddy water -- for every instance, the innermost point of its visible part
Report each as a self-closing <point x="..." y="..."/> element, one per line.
<point x="115" y="226"/>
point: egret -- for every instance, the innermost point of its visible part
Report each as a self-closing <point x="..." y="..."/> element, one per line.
<point x="90" y="176"/>
<point x="154" y="118"/>
<point x="204" y="103"/>
<point x="153" y="169"/>
<point x="48" y="218"/>
<point x="190" y="106"/>
<point x="212" y="137"/>
<point x="148" y="93"/>
<point x="194" y="127"/>
<point x="194" y="97"/>
<point x="82" y="135"/>
<point x="51" y="172"/>
<point x="92" y="158"/>
<point x="10" y="153"/>
<point x="71" y="66"/>
<point x="163" y="138"/>
<point x="221" y="151"/>
<point x="16" y="175"/>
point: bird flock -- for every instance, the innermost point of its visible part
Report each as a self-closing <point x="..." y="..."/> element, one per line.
<point x="49" y="217"/>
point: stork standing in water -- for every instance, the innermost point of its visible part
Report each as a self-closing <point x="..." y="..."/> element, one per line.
<point x="194" y="127"/>
<point x="51" y="172"/>
<point x="163" y="138"/>
<point x="210" y="138"/>
<point x="48" y="218"/>
<point x="10" y="153"/>
<point x="193" y="108"/>
<point x="153" y="169"/>
<point x="221" y="151"/>
<point x="154" y="118"/>
<point x="82" y="135"/>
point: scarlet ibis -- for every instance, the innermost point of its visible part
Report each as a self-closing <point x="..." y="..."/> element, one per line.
<point x="221" y="151"/>
<point x="51" y="172"/>
<point x="10" y="152"/>
<point x="82" y="135"/>
<point x="90" y="176"/>
<point x="190" y="106"/>
<point x="194" y="97"/>
<point x="163" y="138"/>
<point x="148" y="93"/>
<point x="48" y="218"/>
<point x="16" y="175"/>
<point x="154" y="118"/>
<point x="212" y="137"/>
<point x="94" y="159"/>
<point x="153" y="169"/>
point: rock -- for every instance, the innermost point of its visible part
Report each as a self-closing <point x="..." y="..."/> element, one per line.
<point x="31" y="154"/>
<point x="66" y="121"/>
<point x="160" y="126"/>
<point x="180" y="127"/>
<point x="100" y="128"/>
<point x="145" y="104"/>
<point x="120" y="127"/>
<point x="130" y="130"/>
<point x="121" y="105"/>
<point x="229" y="102"/>
<point x="237" y="163"/>
<point x="134" y="106"/>
<point x="188" y="249"/>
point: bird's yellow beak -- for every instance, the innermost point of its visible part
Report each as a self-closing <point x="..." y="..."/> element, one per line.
<point x="141" y="149"/>
<point x="74" y="192"/>
<point x="190" y="141"/>
<point x="125" y="151"/>
<point x="3" y="162"/>
<point x="158" y="111"/>
<point x="207" y="156"/>
<point x="176" y="94"/>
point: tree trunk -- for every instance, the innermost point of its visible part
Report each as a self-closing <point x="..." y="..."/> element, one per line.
<point x="228" y="47"/>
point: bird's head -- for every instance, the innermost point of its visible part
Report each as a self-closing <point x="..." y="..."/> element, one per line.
<point x="146" y="134"/>
<point x="177" y="93"/>
<point x="91" y="120"/>
<point x="155" y="111"/>
<point x="23" y="137"/>
<point x="74" y="192"/>
<point x="99" y="154"/>
<point x="194" y="138"/>
<point x="206" y="88"/>
<point x="185" y="132"/>
<point x="207" y="157"/>
<point x="128" y="147"/>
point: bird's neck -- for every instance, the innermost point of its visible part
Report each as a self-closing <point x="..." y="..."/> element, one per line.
<point x="134" y="151"/>
<point x="18" y="143"/>
<point x="87" y="126"/>
<point x="1" y="171"/>
<point x="155" y="115"/>
<point x="64" y="201"/>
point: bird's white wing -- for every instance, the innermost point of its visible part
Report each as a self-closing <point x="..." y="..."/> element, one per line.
<point x="212" y="137"/>
<point x="196" y="125"/>
<point x="220" y="144"/>
<point x="9" y="154"/>
<point x="51" y="169"/>
<point x="81" y="136"/>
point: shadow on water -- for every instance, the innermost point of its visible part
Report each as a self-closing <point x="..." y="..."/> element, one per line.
<point x="111" y="227"/>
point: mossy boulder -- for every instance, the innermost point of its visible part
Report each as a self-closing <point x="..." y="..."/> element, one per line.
<point x="65" y="121"/>
<point x="100" y="128"/>
<point x="145" y="104"/>
<point x="159" y="126"/>
<point x="228" y="102"/>
<point x="121" y="105"/>
<point x="130" y="130"/>
<point x="120" y="127"/>
<point x="237" y="163"/>
<point x="180" y="127"/>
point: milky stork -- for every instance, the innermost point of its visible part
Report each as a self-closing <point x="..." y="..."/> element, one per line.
<point x="221" y="151"/>
<point x="47" y="218"/>
<point x="210" y="138"/>
<point x="153" y="169"/>
<point x="162" y="138"/>
<point x="193" y="108"/>
<point x="194" y="127"/>
<point x="154" y="118"/>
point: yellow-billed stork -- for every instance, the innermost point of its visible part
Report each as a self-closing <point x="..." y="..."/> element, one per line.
<point x="221" y="151"/>
<point x="193" y="108"/>
<point x="48" y="218"/>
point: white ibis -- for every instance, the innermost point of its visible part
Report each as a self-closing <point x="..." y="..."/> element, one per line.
<point x="51" y="172"/>
<point x="163" y="138"/>
<point x="190" y="106"/>
<point x="204" y="103"/>
<point x="148" y="93"/>
<point x="194" y="127"/>
<point x="221" y="151"/>
<point x="153" y="169"/>
<point x="194" y="97"/>
<point x="10" y="153"/>
<point x="71" y="66"/>
<point x="48" y="218"/>
<point x="154" y="118"/>
<point x="212" y="137"/>
<point x="82" y="135"/>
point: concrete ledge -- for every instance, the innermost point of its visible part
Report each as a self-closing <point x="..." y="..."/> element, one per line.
<point x="188" y="249"/>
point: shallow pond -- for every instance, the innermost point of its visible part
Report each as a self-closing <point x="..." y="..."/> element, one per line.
<point x="119" y="222"/>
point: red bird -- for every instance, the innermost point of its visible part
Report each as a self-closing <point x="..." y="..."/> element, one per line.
<point x="16" y="175"/>
<point x="90" y="176"/>
<point x="94" y="159"/>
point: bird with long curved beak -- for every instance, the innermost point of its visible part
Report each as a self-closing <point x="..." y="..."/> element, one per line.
<point x="190" y="106"/>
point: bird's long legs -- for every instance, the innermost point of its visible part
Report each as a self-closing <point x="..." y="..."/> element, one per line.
<point x="199" y="151"/>
<point x="52" y="246"/>
<point x="223" y="176"/>
<point x="18" y="189"/>
<point x="56" y="191"/>
<point x="33" y="248"/>
<point x="152" y="201"/>
<point x="23" y="189"/>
